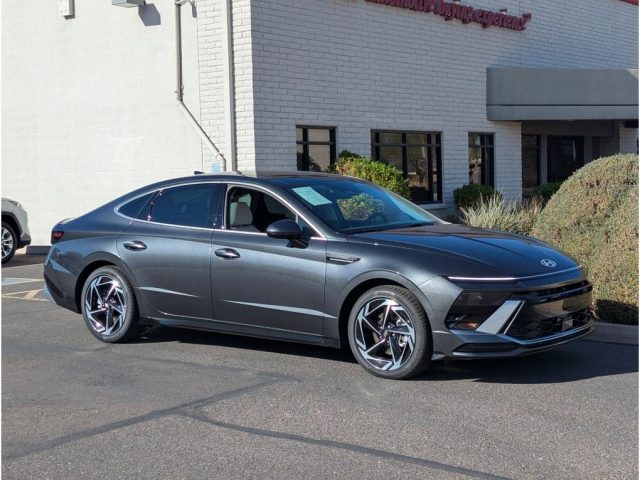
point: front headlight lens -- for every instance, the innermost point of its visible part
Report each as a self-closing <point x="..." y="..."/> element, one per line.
<point x="471" y="309"/>
<point x="13" y="202"/>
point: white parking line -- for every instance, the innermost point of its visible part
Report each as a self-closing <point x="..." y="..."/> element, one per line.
<point x="25" y="295"/>
<point x="16" y="281"/>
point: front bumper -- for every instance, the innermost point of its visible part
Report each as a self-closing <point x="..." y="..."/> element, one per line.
<point x="25" y="240"/>
<point x="528" y="322"/>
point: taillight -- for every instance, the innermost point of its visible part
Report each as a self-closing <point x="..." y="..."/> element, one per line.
<point x="56" y="235"/>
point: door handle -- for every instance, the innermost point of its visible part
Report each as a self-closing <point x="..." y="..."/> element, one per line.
<point x="227" y="253"/>
<point x="135" y="245"/>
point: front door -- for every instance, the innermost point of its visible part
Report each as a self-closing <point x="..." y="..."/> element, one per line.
<point x="261" y="281"/>
<point x="565" y="155"/>
<point x="168" y="251"/>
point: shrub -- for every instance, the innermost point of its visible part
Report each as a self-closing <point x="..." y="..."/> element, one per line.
<point x="470" y="195"/>
<point x="360" y="207"/>
<point x="546" y="191"/>
<point x="376" y="172"/>
<point x="593" y="217"/>
<point x="496" y="214"/>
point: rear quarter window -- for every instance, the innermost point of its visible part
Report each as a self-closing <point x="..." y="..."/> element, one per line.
<point x="134" y="208"/>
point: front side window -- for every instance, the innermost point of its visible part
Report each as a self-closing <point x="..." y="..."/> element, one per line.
<point x="250" y="210"/>
<point x="187" y="205"/>
<point x="351" y="206"/>
<point x="418" y="155"/>
<point x="481" y="158"/>
<point x="316" y="147"/>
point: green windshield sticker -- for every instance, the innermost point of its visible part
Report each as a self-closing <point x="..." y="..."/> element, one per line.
<point x="311" y="196"/>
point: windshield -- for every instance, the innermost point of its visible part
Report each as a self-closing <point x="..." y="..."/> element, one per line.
<point x="352" y="206"/>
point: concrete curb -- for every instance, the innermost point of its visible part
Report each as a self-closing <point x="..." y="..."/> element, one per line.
<point x="613" y="333"/>
<point x="37" y="250"/>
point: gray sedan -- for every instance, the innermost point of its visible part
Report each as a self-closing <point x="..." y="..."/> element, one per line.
<point x="319" y="259"/>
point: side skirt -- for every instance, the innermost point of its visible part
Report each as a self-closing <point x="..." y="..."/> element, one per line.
<point x="246" y="331"/>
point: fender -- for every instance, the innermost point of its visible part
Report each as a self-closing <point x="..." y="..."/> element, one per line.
<point x="332" y="323"/>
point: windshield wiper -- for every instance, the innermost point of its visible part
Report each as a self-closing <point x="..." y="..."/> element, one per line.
<point x="382" y="228"/>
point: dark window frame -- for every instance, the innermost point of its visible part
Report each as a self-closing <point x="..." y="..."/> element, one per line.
<point x="538" y="150"/>
<point x="487" y="172"/>
<point x="305" y="144"/>
<point x="376" y="145"/>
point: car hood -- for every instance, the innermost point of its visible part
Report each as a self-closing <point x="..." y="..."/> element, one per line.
<point x="473" y="251"/>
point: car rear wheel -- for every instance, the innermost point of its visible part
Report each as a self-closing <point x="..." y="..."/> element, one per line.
<point x="109" y="306"/>
<point x="9" y="242"/>
<point x="389" y="333"/>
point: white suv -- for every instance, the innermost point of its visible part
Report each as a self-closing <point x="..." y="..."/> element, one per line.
<point x="15" y="229"/>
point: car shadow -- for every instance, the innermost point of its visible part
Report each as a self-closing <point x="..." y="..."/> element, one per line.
<point x="575" y="361"/>
<point x="22" y="259"/>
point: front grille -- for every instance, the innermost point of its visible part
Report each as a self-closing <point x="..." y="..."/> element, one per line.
<point x="530" y="326"/>
<point x="555" y="293"/>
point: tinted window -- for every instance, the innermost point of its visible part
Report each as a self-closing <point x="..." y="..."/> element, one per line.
<point x="135" y="206"/>
<point x="258" y="211"/>
<point x="188" y="205"/>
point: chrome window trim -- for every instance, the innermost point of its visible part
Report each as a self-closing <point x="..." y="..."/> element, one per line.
<point x="280" y="198"/>
<point x="509" y="279"/>
<point x="156" y="191"/>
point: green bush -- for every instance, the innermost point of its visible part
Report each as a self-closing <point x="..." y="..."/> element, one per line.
<point x="614" y="270"/>
<point x="593" y="217"/>
<point x="376" y="172"/>
<point x="360" y="207"/>
<point x="546" y="191"/>
<point x="496" y="214"/>
<point x="473" y="194"/>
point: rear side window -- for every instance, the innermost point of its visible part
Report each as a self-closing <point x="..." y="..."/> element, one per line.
<point x="135" y="206"/>
<point x="187" y="205"/>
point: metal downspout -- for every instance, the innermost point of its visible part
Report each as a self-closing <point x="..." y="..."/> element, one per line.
<point x="179" y="91"/>
<point x="229" y="94"/>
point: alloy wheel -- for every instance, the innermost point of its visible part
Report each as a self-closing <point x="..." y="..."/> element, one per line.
<point x="7" y="242"/>
<point x="384" y="334"/>
<point x="105" y="305"/>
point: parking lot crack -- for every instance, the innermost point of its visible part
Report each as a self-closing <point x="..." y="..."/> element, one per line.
<point x="127" y="422"/>
<point x="375" y="452"/>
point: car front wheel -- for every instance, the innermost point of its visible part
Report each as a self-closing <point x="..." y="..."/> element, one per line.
<point x="389" y="333"/>
<point x="109" y="306"/>
<point x="9" y="242"/>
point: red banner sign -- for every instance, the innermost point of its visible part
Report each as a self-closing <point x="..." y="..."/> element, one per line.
<point x="464" y="13"/>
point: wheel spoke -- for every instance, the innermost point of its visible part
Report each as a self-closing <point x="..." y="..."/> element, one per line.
<point x="396" y="351"/>
<point x="376" y="346"/>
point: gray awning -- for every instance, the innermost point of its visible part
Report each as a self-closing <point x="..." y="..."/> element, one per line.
<point x="561" y="94"/>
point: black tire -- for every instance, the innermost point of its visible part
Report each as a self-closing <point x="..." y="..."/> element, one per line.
<point x="416" y="361"/>
<point x="14" y="242"/>
<point x="128" y="326"/>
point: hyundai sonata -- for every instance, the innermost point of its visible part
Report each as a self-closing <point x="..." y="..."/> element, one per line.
<point x="314" y="258"/>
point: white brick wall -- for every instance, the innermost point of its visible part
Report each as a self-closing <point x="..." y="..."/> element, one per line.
<point x="88" y="105"/>
<point x="361" y="66"/>
<point x="211" y="36"/>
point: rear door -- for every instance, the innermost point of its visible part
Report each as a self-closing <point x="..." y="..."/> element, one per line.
<point x="168" y="250"/>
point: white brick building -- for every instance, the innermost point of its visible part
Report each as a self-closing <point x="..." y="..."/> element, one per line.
<point x="89" y="109"/>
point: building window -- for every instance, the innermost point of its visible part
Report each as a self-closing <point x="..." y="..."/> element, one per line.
<point x="530" y="164"/>
<point x="316" y="148"/>
<point x="481" y="158"/>
<point x="418" y="155"/>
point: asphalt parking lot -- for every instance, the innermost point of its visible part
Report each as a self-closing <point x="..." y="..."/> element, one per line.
<point x="180" y="404"/>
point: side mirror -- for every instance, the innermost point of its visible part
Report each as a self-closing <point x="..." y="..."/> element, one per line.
<point x="286" y="229"/>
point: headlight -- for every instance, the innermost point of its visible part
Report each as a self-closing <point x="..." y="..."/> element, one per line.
<point x="17" y="204"/>
<point x="472" y="308"/>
